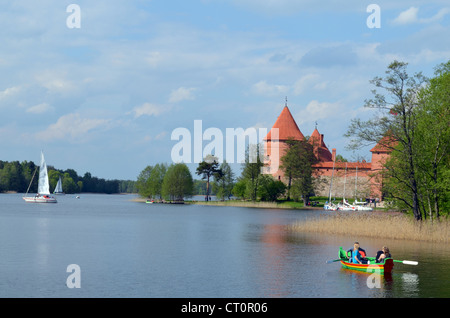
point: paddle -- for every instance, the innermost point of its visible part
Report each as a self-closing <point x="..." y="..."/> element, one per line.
<point x="334" y="260"/>
<point x="407" y="262"/>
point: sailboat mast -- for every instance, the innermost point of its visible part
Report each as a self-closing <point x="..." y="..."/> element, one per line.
<point x="331" y="183"/>
<point x="345" y="181"/>
<point x="356" y="183"/>
<point x="31" y="180"/>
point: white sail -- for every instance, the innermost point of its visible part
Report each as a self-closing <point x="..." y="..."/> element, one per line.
<point x="58" y="188"/>
<point x="43" y="186"/>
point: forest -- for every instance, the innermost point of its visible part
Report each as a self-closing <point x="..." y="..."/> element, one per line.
<point x="16" y="176"/>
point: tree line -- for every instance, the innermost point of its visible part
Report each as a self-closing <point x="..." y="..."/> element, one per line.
<point x="155" y="181"/>
<point x="412" y="121"/>
<point x="16" y="176"/>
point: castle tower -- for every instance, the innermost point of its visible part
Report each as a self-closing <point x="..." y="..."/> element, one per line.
<point x="287" y="129"/>
<point x="320" y="149"/>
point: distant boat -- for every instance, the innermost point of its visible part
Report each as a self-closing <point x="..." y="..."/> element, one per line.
<point x="43" y="195"/>
<point x="58" y="188"/>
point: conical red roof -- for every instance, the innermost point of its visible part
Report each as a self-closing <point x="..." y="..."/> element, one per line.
<point x="320" y="149"/>
<point x="287" y="127"/>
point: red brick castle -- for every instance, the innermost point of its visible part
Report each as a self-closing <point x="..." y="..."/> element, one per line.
<point x="359" y="179"/>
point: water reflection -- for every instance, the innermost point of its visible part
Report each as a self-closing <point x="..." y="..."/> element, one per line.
<point x="42" y="243"/>
<point x="274" y="255"/>
<point x="410" y="284"/>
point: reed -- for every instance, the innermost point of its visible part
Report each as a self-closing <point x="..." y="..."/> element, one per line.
<point x="390" y="226"/>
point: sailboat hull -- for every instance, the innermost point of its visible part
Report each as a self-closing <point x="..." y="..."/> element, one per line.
<point x="40" y="199"/>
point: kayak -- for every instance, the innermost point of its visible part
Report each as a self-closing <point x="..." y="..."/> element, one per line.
<point x="370" y="267"/>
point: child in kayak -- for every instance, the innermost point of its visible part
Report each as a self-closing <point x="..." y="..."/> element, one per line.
<point x="381" y="255"/>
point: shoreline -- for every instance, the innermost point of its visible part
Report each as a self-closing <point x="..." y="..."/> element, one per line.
<point x="291" y="205"/>
<point x="251" y="204"/>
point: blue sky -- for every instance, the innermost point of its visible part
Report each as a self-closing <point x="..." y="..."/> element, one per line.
<point x="104" y="98"/>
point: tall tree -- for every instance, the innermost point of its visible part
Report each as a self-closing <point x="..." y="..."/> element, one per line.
<point x="156" y="179"/>
<point x="394" y="128"/>
<point x="433" y="142"/>
<point x="208" y="168"/>
<point x="296" y="164"/>
<point x="224" y="181"/>
<point x="178" y="182"/>
<point x="252" y="170"/>
<point x="142" y="184"/>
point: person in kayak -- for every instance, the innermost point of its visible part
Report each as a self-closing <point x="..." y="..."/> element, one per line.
<point x="383" y="254"/>
<point x="357" y="254"/>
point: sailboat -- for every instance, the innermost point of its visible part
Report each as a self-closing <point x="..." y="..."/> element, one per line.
<point x="58" y="188"/>
<point x="329" y="205"/>
<point x="360" y="206"/>
<point x="345" y="206"/>
<point x="43" y="195"/>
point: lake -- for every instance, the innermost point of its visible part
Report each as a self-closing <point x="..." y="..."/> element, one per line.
<point x="130" y="249"/>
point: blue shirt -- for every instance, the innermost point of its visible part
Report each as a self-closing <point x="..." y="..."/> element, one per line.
<point x="356" y="257"/>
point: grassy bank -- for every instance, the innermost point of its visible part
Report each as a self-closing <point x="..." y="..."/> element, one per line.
<point x="390" y="226"/>
<point x="252" y="204"/>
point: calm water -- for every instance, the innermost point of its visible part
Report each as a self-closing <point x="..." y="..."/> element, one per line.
<point x="130" y="249"/>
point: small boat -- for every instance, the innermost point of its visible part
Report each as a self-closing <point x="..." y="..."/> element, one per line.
<point x="345" y="206"/>
<point x="58" y="188"/>
<point x="362" y="206"/>
<point x="370" y="267"/>
<point x="43" y="195"/>
<point x="330" y="206"/>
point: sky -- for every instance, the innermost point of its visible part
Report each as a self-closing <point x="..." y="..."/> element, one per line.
<point x="101" y="87"/>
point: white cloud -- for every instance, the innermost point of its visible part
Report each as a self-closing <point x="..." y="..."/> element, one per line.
<point x="8" y="92"/>
<point x="181" y="94"/>
<point x="408" y="16"/>
<point x="72" y="126"/>
<point x="147" y="109"/>
<point x="306" y="82"/>
<point x="39" y="108"/>
<point x="265" y="89"/>
<point x="316" y="110"/>
<point x="411" y="16"/>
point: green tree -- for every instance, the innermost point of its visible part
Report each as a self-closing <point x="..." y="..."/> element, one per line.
<point x="208" y="168"/>
<point x="69" y="184"/>
<point x="224" y="182"/>
<point x="156" y="179"/>
<point x="143" y="184"/>
<point x="178" y="182"/>
<point x="252" y="170"/>
<point x="394" y="128"/>
<point x="270" y="189"/>
<point x="432" y="141"/>
<point x="296" y="164"/>
<point x="239" y="188"/>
